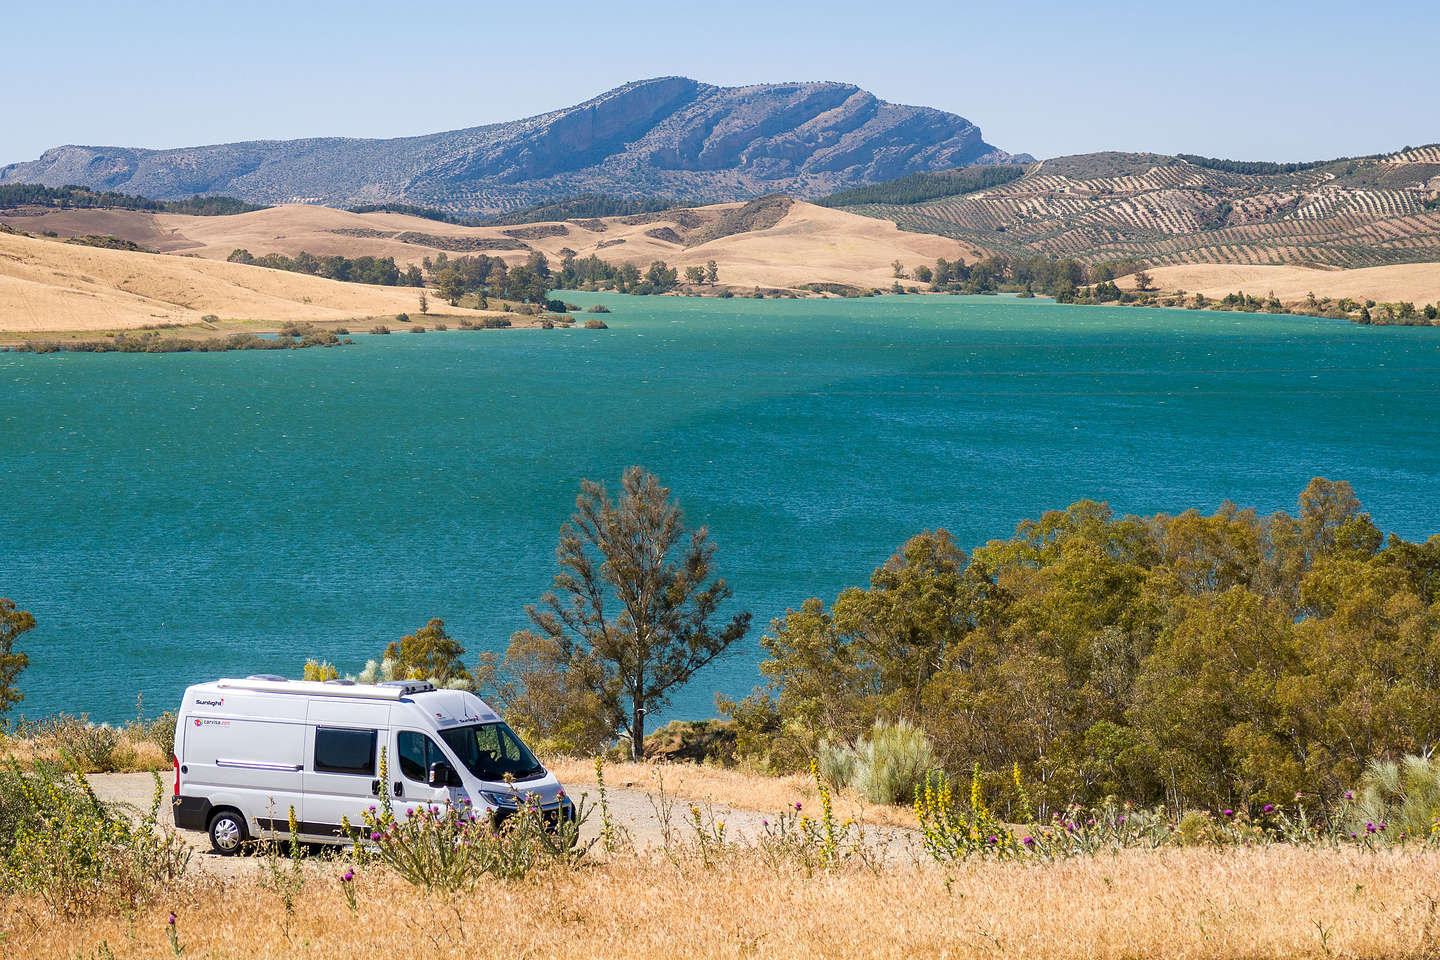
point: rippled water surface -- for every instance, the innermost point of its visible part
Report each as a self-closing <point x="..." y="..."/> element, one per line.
<point x="172" y="518"/>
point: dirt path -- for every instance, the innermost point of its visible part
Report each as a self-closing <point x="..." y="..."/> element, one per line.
<point x="640" y="812"/>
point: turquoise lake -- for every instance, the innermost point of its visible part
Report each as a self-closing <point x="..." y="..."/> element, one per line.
<point x="174" y="518"/>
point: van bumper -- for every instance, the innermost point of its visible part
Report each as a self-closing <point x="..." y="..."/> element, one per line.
<point x="191" y="813"/>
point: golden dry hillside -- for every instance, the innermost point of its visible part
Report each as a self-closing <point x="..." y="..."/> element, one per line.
<point x="806" y="245"/>
<point x="1413" y="282"/>
<point x="50" y="285"/>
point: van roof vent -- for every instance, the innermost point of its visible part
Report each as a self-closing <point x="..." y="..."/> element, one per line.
<point x="341" y="683"/>
<point x="274" y="678"/>
<point x="407" y="687"/>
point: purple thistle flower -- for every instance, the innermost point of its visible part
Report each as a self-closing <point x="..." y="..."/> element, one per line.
<point x="1229" y="812"/>
<point x="1382" y="828"/>
<point x="171" y="921"/>
<point x="1349" y="795"/>
<point x="764" y="823"/>
<point x="1369" y="828"/>
<point x="1269" y="808"/>
<point x="349" y="876"/>
<point x="797" y="804"/>
<point x="1028" y="841"/>
<point x="1120" y="820"/>
<point x="375" y="835"/>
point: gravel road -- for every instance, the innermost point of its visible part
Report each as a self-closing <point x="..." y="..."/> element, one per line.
<point x="638" y="811"/>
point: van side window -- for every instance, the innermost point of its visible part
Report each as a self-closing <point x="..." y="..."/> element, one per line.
<point x="417" y="752"/>
<point x="344" y="751"/>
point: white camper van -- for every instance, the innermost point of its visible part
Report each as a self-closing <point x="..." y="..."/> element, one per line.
<point x="248" y="751"/>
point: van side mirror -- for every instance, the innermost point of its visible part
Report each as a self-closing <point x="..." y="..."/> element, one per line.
<point x="441" y="774"/>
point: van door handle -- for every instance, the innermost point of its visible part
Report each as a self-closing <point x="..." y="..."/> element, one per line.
<point x="375" y="788"/>
<point x="399" y="789"/>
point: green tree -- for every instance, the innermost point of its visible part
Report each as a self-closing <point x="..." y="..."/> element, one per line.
<point x="661" y="276"/>
<point x="632" y="610"/>
<point x="13" y="623"/>
<point x="712" y="274"/>
<point x="451" y="286"/>
<point x="694" y="275"/>
<point x="429" y="654"/>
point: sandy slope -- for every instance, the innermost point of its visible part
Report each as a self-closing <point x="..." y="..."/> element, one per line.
<point x="811" y="243"/>
<point x="52" y="285"/>
<point x="1418" y="283"/>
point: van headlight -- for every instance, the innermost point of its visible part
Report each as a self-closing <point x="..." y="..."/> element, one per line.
<point x="506" y="800"/>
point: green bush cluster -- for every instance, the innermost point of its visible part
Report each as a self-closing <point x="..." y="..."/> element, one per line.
<point x="151" y="341"/>
<point x="1222" y="661"/>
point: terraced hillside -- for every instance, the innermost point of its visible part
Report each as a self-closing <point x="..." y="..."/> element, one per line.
<point x="1171" y="210"/>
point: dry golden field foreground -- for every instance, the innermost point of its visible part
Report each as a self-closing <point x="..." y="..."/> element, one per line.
<point x="1280" y="902"/>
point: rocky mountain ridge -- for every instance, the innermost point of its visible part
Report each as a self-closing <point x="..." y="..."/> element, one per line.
<point x="671" y="136"/>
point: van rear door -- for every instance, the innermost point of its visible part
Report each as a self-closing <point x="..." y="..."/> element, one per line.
<point x="342" y="763"/>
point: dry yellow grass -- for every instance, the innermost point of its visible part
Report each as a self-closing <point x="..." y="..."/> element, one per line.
<point x="1257" y="903"/>
<point x="131" y="754"/>
<point x="50" y="285"/>
<point x="1418" y="283"/>
<point x="728" y="788"/>
<point x="809" y="244"/>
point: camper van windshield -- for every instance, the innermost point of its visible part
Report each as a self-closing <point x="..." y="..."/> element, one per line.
<point x="492" y="750"/>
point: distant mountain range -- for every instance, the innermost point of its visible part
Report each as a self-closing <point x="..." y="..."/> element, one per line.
<point x="669" y="136"/>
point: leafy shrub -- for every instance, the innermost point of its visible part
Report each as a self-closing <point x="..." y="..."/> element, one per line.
<point x="441" y="326"/>
<point x="91" y="747"/>
<point x="888" y="767"/>
<point x="594" y="323"/>
<point x="451" y="847"/>
<point x="402" y="318"/>
<point x="1403" y="795"/>
<point x="417" y="329"/>
<point x="380" y="330"/>
<point x="159" y="731"/>
<point x="597" y="308"/>
<point x="77" y="855"/>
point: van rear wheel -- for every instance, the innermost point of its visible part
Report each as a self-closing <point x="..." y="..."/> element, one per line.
<point x="227" y="832"/>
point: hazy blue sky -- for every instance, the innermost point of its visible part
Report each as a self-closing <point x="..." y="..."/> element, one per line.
<point x="1255" y="80"/>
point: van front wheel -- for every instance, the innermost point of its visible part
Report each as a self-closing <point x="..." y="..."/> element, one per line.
<point x="227" y="832"/>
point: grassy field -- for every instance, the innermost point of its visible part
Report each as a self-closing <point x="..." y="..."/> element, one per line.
<point x="704" y="890"/>
<point x="1246" y="903"/>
